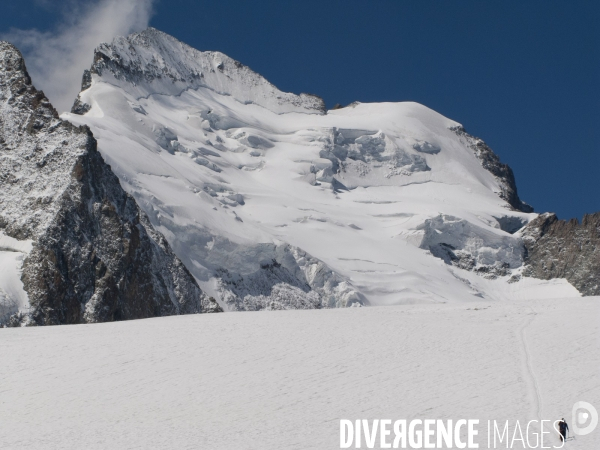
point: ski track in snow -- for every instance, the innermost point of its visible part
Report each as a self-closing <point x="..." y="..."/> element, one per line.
<point x="534" y="388"/>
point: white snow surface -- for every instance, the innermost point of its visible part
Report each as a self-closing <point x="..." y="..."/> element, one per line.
<point x="283" y="379"/>
<point x="234" y="181"/>
<point x="156" y="63"/>
<point x="13" y="297"/>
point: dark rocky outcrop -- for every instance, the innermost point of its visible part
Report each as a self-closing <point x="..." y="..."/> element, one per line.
<point x="491" y="162"/>
<point x="95" y="256"/>
<point x="560" y="249"/>
<point x="78" y="106"/>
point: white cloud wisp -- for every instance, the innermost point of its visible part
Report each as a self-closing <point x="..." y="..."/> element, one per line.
<point x="56" y="60"/>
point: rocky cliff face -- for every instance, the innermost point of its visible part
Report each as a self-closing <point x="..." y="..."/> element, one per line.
<point x="94" y="255"/>
<point x="502" y="172"/>
<point x="560" y="249"/>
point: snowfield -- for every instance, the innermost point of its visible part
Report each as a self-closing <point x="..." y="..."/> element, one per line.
<point x="284" y="379"/>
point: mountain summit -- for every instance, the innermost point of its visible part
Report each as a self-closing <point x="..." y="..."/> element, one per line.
<point x="152" y="63"/>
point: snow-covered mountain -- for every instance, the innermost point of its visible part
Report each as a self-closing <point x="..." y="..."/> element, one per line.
<point x="74" y="247"/>
<point x="272" y="202"/>
<point x="267" y="200"/>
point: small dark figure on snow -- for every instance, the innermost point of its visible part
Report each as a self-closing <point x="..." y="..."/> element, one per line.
<point x="563" y="428"/>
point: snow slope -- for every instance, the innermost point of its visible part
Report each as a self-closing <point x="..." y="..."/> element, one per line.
<point x="272" y="204"/>
<point x="284" y="379"/>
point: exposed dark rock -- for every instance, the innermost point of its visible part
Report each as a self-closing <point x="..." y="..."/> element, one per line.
<point x="86" y="80"/>
<point x="491" y="162"/>
<point x="560" y="249"/>
<point x="95" y="256"/>
<point x="80" y="107"/>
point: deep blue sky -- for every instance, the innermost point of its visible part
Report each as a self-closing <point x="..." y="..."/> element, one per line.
<point x="522" y="75"/>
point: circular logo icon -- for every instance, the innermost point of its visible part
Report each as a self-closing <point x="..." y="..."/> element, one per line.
<point x="584" y="418"/>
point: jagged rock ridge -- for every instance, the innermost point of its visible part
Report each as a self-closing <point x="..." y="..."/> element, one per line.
<point x="93" y="254"/>
<point x="503" y="173"/>
<point x="560" y="249"/>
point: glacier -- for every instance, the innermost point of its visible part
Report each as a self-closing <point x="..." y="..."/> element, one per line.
<point x="272" y="202"/>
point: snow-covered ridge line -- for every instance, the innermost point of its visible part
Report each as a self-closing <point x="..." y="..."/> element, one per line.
<point x="155" y="62"/>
